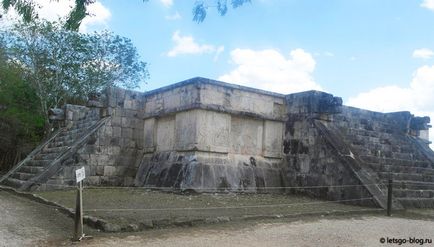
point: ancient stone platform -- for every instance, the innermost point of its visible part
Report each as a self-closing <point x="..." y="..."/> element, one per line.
<point x="210" y="136"/>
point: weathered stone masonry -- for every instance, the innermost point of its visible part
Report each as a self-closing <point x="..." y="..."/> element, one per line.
<point x="205" y="135"/>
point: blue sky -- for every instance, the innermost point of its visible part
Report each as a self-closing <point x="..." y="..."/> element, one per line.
<point x="356" y="45"/>
<point x="375" y="54"/>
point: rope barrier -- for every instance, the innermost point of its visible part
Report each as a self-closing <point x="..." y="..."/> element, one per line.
<point x="412" y="182"/>
<point x="209" y="188"/>
<point x="232" y="207"/>
<point x="246" y="189"/>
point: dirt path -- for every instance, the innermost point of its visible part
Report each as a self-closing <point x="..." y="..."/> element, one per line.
<point x="27" y="223"/>
<point x="366" y="231"/>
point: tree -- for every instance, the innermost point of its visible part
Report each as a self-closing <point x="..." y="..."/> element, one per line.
<point x="200" y="8"/>
<point x="21" y="123"/>
<point x="26" y="9"/>
<point x="62" y="65"/>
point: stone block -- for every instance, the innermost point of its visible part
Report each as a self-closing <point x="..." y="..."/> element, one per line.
<point x="127" y="133"/>
<point x="99" y="170"/>
<point x="109" y="171"/>
<point x="117" y="132"/>
<point x="186" y="126"/>
<point x="273" y="139"/>
<point x="116" y="121"/>
<point x="246" y="135"/>
<point x="165" y="133"/>
<point x="118" y="171"/>
<point x="213" y="131"/>
<point x="93" y="180"/>
<point x="128" y="181"/>
<point x="128" y="104"/>
<point x="126" y="122"/>
<point x="108" y="130"/>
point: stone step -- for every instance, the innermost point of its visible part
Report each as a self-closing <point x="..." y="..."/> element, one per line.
<point x="60" y="143"/>
<point x="46" y="156"/>
<point x="400" y="169"/>
<point x="363" y="132"/>
<point x="417" y="202"/>
<point x="406" y="193"/>
<point x="13" y="182"/>
<point x="87" y="118"/>
<point x="64" y="139"/>
<point x="363" y="150"/>
<point x="387" y="143"/>
<point x="407" y="176"/>
<point x="40" y="163"/>
<point x="49" y="150"/>
<point x="399" y="162"/>
<point x="61" y="182"/>
<point x="31" y="169"/>
<point x="411" y="185"/>
<point x="367" y="136"/>
<point x="73" y="133"/>
<point x="373" y="124"/>
<point x="406" y="156"/>
<point x="84" y="125"/>
<point x="393" y="153"/>
<point x="22" y="176"/>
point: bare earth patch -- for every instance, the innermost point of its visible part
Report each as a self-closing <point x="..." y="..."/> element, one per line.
<point x="147" y="209"/>
<point x="364" y="231"/>
<point x="28" y="223"/>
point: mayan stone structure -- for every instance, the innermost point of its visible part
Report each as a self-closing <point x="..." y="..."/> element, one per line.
<point x="209" y="136"/>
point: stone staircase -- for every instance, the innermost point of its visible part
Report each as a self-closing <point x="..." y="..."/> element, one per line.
<point x="44" y="155"/>
<point x="390" y="154"/>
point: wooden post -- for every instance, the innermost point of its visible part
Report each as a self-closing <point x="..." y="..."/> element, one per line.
<point x="389" y="197"/>
<point x="78" y="232"/>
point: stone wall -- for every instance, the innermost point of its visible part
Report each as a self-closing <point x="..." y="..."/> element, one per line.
<point x="206" y="135"/>
<point x="327" y="144"/>
<point x="310" y="160"/>
<point x="111" y="156"/>
<point x="230" y="134"/>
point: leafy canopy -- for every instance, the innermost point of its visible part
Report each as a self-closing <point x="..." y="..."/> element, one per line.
<point x="19" y="104"/>
<point x="27" y="10"/>
<point x="200" y="8"/>
<point x="63" y="65"/>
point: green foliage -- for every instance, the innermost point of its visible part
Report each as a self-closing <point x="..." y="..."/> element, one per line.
<point x="26" y="9"/>
<point x="62" y="65"/>
<point x="19" y="104"/>
<point x="200" y="8"/>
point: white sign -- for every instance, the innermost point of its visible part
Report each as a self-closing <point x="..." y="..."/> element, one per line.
<point x="80" y="174"/>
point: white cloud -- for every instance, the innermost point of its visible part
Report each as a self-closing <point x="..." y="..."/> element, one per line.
<point x="329" y="54"/>
<point x="423" y="53"/>
<point x="272" y="71"/>
<point x="7" y="19"/>
<point x="218" y="51"/>
<point x="167" y="3"/>
<point x="173" y="17"/>
<point x="187" y="45"/>
<point x="429" y="4"/>
<point x="99" y="16"/>
<point x="417" y="97"/>
<point x="53" y="10"/>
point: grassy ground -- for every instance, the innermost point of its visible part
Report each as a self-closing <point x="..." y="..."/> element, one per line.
<point x="139" y="206"/>
<point x="424" y="213"/>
